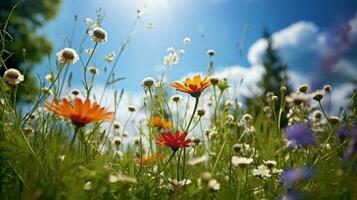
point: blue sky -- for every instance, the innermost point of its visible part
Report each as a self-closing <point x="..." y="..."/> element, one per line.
<point x="223" y="23"/>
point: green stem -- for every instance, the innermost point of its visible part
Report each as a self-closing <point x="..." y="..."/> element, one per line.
<point x="193" y="114"/>
<point x="167" y="162"/>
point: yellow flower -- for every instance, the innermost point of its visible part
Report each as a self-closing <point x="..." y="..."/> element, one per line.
<point x="159" y="123"/>
<point x="193" y="86"/>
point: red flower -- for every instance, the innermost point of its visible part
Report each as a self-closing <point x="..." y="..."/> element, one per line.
<point x="174" y="141"/>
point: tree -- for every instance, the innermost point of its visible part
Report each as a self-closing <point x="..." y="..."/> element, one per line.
<point x="273" y="78"/>
<point x="22" y="46"/>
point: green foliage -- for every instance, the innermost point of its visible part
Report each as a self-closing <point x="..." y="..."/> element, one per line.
<point x="24" y="46"/>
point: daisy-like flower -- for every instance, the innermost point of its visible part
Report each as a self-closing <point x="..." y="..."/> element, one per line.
<point x="241" y="161"/>
<point x="193" y="86"/>
<point x="67" y="56"/>
<point x="110" y="57"/>
<point x="80" y="113"/>
<point x="99" y="35"/>
<point x="146" y="160"/>
<point x="13" y="76"/>
<point x="186" y="41"/>
<point x="148" y="82"/>
<point x="93" y="70"/>
<point x="173" y="141"/>
<point x="262" y="171"/>
<point x="159" y="123"/>
<point x="176" y="98"/>
<point x="210" y="52"/>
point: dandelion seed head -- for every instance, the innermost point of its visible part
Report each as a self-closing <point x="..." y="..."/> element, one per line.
<point x="13" y="76"/>
<point x="67" y="56"/>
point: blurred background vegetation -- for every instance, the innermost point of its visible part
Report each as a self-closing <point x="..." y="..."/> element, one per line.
<point x="24" y="46"/>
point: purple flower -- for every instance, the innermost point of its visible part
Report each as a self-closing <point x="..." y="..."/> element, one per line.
<point x="291" y="177"/>
<point x="300" y="134"/>
<point x="351" y="134"/>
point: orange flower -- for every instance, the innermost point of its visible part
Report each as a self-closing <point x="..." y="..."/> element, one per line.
<point x="193" y="86"/>
<point x="81" y="113"/>
<point x="173" y="141"/>
<point x="150" y="159"/>
<point x="159" y="123"/>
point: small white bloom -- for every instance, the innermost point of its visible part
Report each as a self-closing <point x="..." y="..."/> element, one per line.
<point x="262" y="171"/>
<point x="110" y="57"/>
<point x="93" y="70"/>
<point x="269" y="163"/>
<point x="176" y="98"/>
<point x="186" y="41"/>
<point x="213" y="185"/>
<point x="210" y="52"/>
<point x="87" y="185"/>
<point x="67" y="56"/>
<point x="148" y="82"/>
<point x="99" y="35"/>
<point x="13" y="76"/>
<point x="198" y="160"/>
<point x="49" y="78"/>
<point x="131" y="108"/>
<point x="241" y="161"/>
<point x="90" y="23"/>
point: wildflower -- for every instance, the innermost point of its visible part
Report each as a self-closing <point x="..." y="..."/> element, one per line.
<point x="118" y="154"/>
<point x="89" y="51"/>
<point x="88" y="185"/>
<point x="117" y="141"/>
<point x="67" y="56"/>
<point x="146" y="160"/>
<point x="283" y="89"/>
<point x="214" y="80"/>
<point x="159" y="123"/>
<point x="296" y="98"/>
<point x="150" y="26"/>
<point x="173" y="141"/>
<point x="99" y="35"/>
<point x="186" y="41"/>
<point x="110" y="57"/>
<point x="230" y="118"/>
<point x="201" y="112"/>
<point x="46" y="91"/>
<point x="137" y="140"/>
<point x="193" y="86"/>
<point x="131" y="108"/>
<point x="13" y="76"/>
<point x="317" y="115"/>
<point x="116" y="125"/>
<point x="299" y="134"/>
<point x="121" y="178"/>
<point x="237" y="147"/>
<point x="228" y="103"/>
<point x="327" y="88"/>
<point x="176" y="98"/>
<point x="318" y="95"/>
<point x="213" y="185"/>
<point x="205" y="177"/>
<point x="270" y="97"/>
<point x="81" y="113"/>
<point x="172" y="58"/>
<point x="198" y="160"/>
<point x="222" y="85"/>
<point x="90" y="23"/>
<point x="303" y="88"/>
<point x="334" y="119"/>
<point x="93" y="70"/>
<point x="291" y="177"/>
<point x="210" y="52"/>
<point x="262" y="171"/>
<point x="241" y="161"/>
<point x="75" y="92"/>
<point x="148" y="82"/>
<point x="49" y="78"/>
<point x="269" y="163"/>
